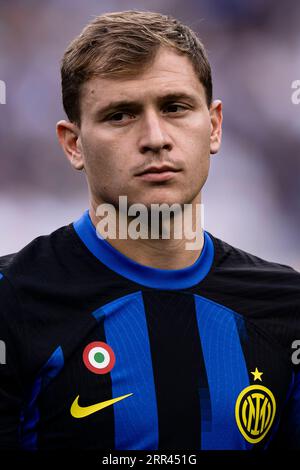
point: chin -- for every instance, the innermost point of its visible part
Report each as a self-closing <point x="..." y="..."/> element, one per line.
<point x="162" y="195"/>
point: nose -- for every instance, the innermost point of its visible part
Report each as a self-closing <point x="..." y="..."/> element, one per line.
<point x="153" y="135"/>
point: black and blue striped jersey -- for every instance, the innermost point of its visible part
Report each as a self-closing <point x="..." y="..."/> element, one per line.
<point x="100" y="352"/>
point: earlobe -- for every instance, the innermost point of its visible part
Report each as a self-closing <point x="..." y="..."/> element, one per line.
<point x="216" y="118"/>
<point x="68" y="135"/>
<point x="76" y="161"/>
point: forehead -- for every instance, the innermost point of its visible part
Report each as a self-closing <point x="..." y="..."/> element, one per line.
<point x="170" y="72"/>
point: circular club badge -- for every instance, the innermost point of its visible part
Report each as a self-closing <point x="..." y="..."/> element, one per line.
<point x="99" y="357"/>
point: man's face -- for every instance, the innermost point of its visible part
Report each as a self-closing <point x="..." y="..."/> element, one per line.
<point x="159" y="117"/>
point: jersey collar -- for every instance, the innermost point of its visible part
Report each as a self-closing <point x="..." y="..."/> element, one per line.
<point x="145" y="275"/>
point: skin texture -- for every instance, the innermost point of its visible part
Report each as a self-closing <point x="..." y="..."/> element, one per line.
<point x="113" y="145"/>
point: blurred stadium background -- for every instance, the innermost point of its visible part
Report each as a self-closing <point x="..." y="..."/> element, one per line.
<point x="252" y="197"/>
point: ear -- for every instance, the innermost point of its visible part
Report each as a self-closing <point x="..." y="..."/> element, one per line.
<point x="68" y="135"/>
<point x="216" y="118"/>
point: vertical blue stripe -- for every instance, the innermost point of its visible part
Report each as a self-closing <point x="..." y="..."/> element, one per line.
<point x="226" y="373"/>
<point x="30" y="415"/>
<point x="1" y="276"/>
<point x="136" y="420"/>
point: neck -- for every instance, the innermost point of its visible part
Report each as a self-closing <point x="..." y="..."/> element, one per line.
<point x="171" y="252"/>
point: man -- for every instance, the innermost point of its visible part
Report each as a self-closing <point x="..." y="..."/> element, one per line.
<point x="141" y="343"/>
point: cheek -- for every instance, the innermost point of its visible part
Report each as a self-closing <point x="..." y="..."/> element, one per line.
<point x="197" y="152"/>
<point x="198" y="147"/>
<point x="103" y="160"/>
<point x="196" y="132"/>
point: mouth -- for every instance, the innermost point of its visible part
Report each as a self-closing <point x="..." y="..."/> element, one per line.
<point x="158" y="174"/>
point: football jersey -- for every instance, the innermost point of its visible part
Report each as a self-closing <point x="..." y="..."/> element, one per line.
<point x="100" y="352"/>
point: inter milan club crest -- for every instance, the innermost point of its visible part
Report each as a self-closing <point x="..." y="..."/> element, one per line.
<point x="99" y="357"/>
<point x="255" y="410"/>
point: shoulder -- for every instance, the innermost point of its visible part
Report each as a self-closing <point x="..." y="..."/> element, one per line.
<point x="28" y="279"/>
<point x="234" y="262"/>
<point x="264" y="292"/>
<point x="40" y="254"/>
<point x="35" y="272"/>
<point x="252" y="285"/>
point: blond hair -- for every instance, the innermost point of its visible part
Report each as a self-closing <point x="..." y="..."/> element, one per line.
<point x="121" y="44"/>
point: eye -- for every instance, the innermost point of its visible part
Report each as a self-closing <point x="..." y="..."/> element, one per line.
<point x="119" y="117"/>
<point x="175" y="108"/>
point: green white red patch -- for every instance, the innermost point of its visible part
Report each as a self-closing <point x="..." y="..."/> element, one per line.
<point x="99" y="357"/>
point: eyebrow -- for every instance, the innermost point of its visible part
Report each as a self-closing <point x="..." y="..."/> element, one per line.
<point x="137" y="105"/>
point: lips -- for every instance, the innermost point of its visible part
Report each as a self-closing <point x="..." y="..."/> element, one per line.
<point x="158" y="169"/>
<point x="158" y="176"/>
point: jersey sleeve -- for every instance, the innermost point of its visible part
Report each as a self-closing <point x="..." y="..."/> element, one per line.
<point x="11" y="383"/>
